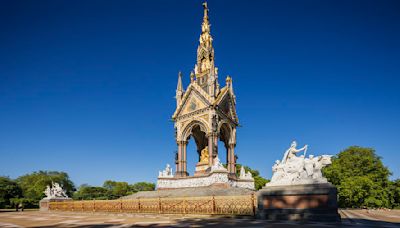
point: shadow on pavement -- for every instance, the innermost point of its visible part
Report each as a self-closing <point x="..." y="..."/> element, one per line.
<point x="233" y="222"/>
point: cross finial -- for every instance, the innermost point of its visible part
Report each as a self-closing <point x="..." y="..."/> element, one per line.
<point x="205" y="5"/>
<point x="205" y="9"/>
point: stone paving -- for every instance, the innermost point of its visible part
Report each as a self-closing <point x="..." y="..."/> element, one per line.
<point x="350" y="218"/>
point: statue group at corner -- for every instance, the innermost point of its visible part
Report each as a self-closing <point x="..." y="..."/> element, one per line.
<point x="55" y="191"/>
<point x="293" y="169"/>
<point x="167" y="172"/>
<point x="217" y="166"/>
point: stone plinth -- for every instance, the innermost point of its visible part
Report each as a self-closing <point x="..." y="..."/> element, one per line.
<point x="213" y="190"/>
<point x="44" y="203"/>
<point x="215" y="177"/>
<point x="201" y="168"/>
<point x="309" y="202"/>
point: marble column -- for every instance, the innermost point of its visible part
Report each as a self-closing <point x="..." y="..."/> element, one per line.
<point x="212" y="147"/>
<point x="184" y="160"/>
<point x="181" y="167"/>
<point x="228" y="158"/>
<point x="231" y="160"/>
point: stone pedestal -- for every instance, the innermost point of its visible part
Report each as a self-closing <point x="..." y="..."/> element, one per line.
<point x="201" y="168"/>
<point x="213" y="177"/>
<point x="308" y="202"/>
<point x="44" y="203"/>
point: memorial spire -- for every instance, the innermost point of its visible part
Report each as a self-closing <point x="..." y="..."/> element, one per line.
<point x="205" y="70"/>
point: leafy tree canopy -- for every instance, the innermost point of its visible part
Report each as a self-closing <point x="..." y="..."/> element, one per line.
<point x="142" y="186"/>
<point x="9" y="190"/>
<point x="394" y="193"/>
<point x="111" y="190"/>
<point x="361" y="178"/>
<point x="116" y="189"/>
<point x="86" y="192"/>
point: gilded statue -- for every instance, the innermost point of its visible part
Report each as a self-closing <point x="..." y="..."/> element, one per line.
<point x="204" y="155"/>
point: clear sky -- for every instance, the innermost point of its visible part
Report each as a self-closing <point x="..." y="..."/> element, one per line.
<point x="87" y="87"/>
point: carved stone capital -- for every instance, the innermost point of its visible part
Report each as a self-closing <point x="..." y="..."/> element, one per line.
<point x="182" y="143"/>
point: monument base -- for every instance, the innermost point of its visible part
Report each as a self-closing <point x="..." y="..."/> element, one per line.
<point x="308" y="202"/>
<point x="214" y="177"/>
<point x="213" y="190"/>
<point x="44" y="203"/>
<point x="201" y="169"/>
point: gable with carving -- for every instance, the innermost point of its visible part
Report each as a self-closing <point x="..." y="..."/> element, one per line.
<point x="193" y="101"/>
<point x="226" y="105"/>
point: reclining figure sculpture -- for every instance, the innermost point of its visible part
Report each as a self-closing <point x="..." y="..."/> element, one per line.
<point x="293" y="170"/>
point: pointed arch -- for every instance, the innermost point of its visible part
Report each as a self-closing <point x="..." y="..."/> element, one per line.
<point x="187" y="130"/>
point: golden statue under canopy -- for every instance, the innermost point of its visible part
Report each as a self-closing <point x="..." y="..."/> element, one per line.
<point x="204" y="156"/>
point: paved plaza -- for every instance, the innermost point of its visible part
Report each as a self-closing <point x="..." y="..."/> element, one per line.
<point x="350" y="218"/>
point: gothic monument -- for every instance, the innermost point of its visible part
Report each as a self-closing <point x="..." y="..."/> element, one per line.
<point x="205" y="111"/>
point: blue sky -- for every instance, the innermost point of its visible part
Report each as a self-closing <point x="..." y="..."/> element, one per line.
<point x="87" y="87"/>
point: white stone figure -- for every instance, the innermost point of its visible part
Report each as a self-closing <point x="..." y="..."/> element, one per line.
<point x="167" y="172"/>
<point x="245" y="176"/>
<point x="48" y="192"/>
<point x="294" y="169"/>
<point x="278" y="172"/>
<point x="168" y="169"/>
<point x="55" y="191"/>
<point x="292" y="151"/>
<point x="58" y="191"/>
<point x="217" y="165"/>
<point x="249" y="175"/>
<point x="322" y="161"/>
<point x="242" y="174"/>
<point x="309" y="165"/>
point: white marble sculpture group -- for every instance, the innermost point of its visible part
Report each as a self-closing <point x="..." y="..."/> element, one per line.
<point x="55" y="191"/>
<point x="293" y="170"/>
<point x="218" y="174"/>
<point x="166" y="173"/>
<point x="245" y="176"/>
<point x="217" y="165"/>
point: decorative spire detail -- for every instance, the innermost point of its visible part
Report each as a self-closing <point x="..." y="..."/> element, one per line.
<point x="179" y="89"/>
<point x="179" y="86"/>
<point x="205" y="51"/>
<point x="230" y="87"/>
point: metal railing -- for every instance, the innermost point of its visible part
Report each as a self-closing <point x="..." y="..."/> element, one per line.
<point x="234" y="205"/>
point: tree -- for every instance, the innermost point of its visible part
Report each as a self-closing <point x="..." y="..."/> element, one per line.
<point x="9" y="190"/>
<point x="394" y="192"/>
<point x="25" y="203"/>
<point x="142" y="186"/>
<point x="111" y="190"/>
<point x="361" y="191"/>
<point x="34" y="184"/>
<point x="259" y="181"/>
<point x="360" y="177"/>
<point x="116" y="189"/>
<point x="86" y="192"/>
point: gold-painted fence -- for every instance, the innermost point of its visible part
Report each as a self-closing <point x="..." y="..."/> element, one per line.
<point x="236" y="205"/>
